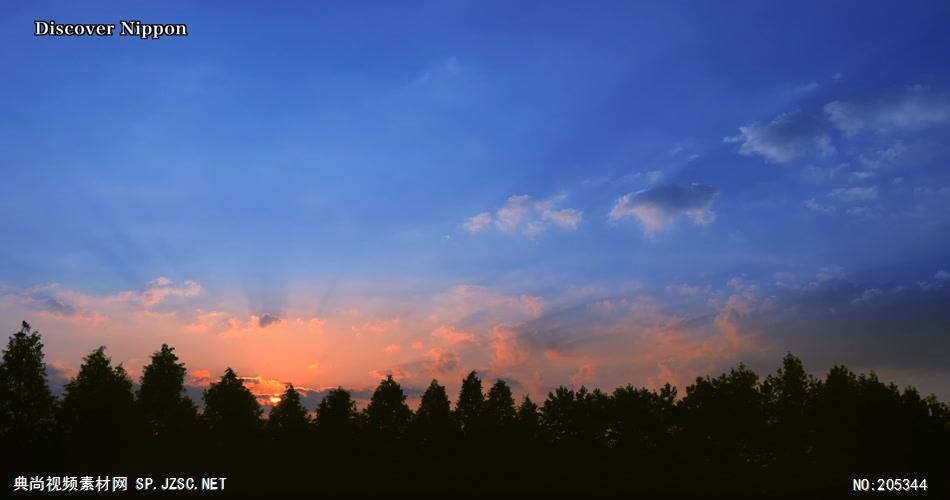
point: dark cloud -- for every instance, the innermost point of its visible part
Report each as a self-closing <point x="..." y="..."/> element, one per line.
<point x="268" y="319"/>
<point x="876" y="326"/>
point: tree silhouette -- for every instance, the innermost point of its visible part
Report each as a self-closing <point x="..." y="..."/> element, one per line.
<point x="98" y="410"/>
<point x="387" y="414"/>
<point x="639" y="420"/>
<point x="26" y="405"/>
<point x="168" y="412"/>
<point x="527" y="422"/>
<point x="337" y="418"/>
<point x="500" y="405"/>
<point x="499" y="415"/>
<point x="470" y="406"/>
<point x="231" y="411"/>
<point x="288" y="419"/>
<point x="730" y="435"/>
<point x="433" y="423"/>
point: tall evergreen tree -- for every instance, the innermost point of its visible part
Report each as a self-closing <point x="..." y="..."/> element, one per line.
<point x="387" y="414"/>
<point x="337" y="420"/>
<point x="288" y="419"/>
<point x="167" y="411"/>
<point x="26" y="404"/>
<point x="231" y="411"/>
<point x="470" y="406"/>
<point x="527" y="422"/>
<point x="434" y="424"/>
<point x="98" y="407"/>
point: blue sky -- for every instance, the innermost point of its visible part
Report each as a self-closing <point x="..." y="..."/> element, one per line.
<point x="625" y="192"/>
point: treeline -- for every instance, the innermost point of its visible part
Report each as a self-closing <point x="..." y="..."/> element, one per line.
<point x="786" y="433"/>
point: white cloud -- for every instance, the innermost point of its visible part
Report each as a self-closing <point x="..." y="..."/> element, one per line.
<point x="478" y="222"/>
<point x="915" y="107"/>
<point x="884" y="157"/>
<point x="942" y="275"/>
<point x="856" y="193"/>
<point x="783" y="139"/>
<point x="530" y="217"/>
<point x="811" y="204"/>
<point x="657" y="209"/>
<point x="566" y="218"/>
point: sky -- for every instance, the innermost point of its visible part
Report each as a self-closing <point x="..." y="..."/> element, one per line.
<point x="548" y="193"/>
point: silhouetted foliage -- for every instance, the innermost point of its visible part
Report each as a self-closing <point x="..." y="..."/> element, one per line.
<point x="387" y="415"/>
<point x="734" y="434"/>
<point x="231" y="411"/>
<point x="470" y="406"/>
<point x="26" y="404"/>
<point x="169" y="414"/>
<point x="98" y="413"/>
<point x="337" y="420"/>
<point x="433" y="424"/>
<point x="288" y="418"/>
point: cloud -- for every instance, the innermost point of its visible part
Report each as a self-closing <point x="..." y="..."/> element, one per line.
<point x="208" y="321"/>
<point x="886" y="157"/>
<point x="200" y="378"/>
<point x="478" y="222"/>
<point x="830" y="273"/>
<point x="808" y="87"/>
<point x="507" y="349"/>
<point x="376" y="326"/>
<point x="267" y="319"/>
<point x="658" y="208"/>
<point x="812" y="204"/>
<point x="942" y="275"/>
<point x="854" y="194"/>
<point x="226" y="325"/>
<point x="528" y="216"/>
<point x="914" y="108"/>
<point x="441" y="361"/>
<point x="566" y="218"/>
<point x="316" y="326"/>
<point x="157" y="290"/>
<point x="783" y="139"/>
<point x="450" y="335"/>
<point x="583" y="375"/>
<point x="55" y="302"/>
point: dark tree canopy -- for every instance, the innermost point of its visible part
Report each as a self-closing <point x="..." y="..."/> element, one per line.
<point x="434" y="423"/>
<point x="26" y="405"/>
<point x="288" y="418"/>
<point x="387" y="414"/>
<point x="336" y="417"/>
<point x="98" y="405"/>
<point x="230" y="408"/>
<point x="161" y="396"/>
<point x="499" y="406"/>
<point x="731" y="435"/>
<point x="470" y="406"/>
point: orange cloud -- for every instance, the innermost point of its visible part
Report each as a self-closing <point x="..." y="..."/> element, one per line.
<point x="200" y="378"/>
<point x="316" y="325"/>
<point x="506" y="347"/>
<point x="442" y="361"/>
<point x="583" y="375"/>
<point x="376" y="327"/>
<point x="450" y="335"/>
